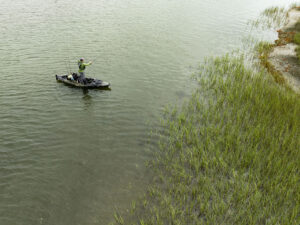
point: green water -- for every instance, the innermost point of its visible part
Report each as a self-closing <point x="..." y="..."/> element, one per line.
<point x="71" y="157"/>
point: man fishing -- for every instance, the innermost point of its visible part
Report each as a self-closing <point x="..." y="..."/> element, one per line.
<point x="82" y="65"/>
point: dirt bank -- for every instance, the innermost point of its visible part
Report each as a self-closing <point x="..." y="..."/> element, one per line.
<point x="283" y="56"/>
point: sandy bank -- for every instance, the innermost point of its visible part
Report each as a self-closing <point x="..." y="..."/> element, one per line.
<point x="283" y="56"/>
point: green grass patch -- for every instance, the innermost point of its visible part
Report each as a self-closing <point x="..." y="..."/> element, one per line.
<point x="264" y="47"/>
<point x="297" y="38"/>
<point x="297" y="41"/>
<point x="273" y="11"/>
<point x="298" y="52"/>
<point x="297" y="27"/>
<point x="230" y="155"/>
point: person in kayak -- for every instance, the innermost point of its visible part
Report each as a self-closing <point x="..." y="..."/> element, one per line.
<point x="82" y="65"/>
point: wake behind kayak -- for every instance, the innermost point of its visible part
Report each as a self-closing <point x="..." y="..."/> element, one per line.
<point x="88" y="83"/>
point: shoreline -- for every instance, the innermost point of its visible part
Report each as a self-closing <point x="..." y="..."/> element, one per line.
<point x="282" y="57"/>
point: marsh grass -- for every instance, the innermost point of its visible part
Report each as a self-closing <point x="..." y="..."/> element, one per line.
<point x="273" y="17"/>
<point x="230" y="155"/>
<point x="297" y="41"/>
<point x="297" y="25"/>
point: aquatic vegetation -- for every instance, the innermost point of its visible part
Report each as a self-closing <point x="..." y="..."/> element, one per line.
<point x="263" y="47"/>
<point x="273" y="17"/>
<point x="297" y="38"/>
<point x="230" y="155"/>
<point x="297" y="41"/>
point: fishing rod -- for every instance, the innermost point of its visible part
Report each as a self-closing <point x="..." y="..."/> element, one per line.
<point x="68" y="70"/>
<point x="69" y="63"/>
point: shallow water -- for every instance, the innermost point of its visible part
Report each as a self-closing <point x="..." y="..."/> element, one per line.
<point x="69" y="156"/>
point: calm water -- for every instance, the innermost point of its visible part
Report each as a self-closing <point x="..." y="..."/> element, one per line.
<point x="70" y="157"/>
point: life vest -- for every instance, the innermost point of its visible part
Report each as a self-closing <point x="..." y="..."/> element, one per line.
<point x="81" y="66"/>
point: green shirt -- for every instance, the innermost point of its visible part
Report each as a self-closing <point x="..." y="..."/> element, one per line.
<point x="82" y="66"/>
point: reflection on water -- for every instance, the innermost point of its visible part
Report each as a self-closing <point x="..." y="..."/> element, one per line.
<point x="87" y="99"/>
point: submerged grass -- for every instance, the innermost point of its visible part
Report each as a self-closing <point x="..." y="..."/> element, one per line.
<point x="229" y="156"/>
<point x="273" y="17"/>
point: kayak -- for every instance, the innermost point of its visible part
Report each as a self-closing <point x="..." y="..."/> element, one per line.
<point x="89" y="82"/>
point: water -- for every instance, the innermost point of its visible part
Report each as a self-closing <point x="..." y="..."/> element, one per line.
<point x="72" y="157"/>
